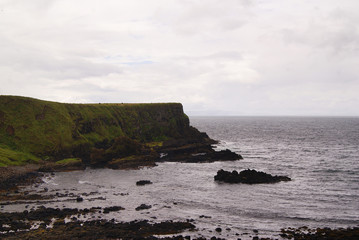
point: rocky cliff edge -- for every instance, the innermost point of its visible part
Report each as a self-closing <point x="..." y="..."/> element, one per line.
<point x="71" y="136"/>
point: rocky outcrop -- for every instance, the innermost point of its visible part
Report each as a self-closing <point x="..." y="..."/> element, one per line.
<point x="19" y="225"/>
<point x="143" y="207"/>
<point x="193" y="155"/>
<point x="248" y="177"/>
<point x="195" y="151"/>
<point x="305" y="233"/>
<point x="12" y="177"/>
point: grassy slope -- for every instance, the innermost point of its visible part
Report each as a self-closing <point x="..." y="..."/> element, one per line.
<point x="32" y="129"/>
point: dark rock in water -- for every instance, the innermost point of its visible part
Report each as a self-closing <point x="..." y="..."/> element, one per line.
<point x="79" y="199"/>
<point x="112" y="209"/>
<point x="248" y="176"/>
<point x="143" y="182"/>
<point x="226" y="155"/>
<point x="218" y="229"/>
<point x="143" y="207"/>
<point x="196" y="153"/>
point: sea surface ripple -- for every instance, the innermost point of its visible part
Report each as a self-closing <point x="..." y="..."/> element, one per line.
<point x="320" y="154"/>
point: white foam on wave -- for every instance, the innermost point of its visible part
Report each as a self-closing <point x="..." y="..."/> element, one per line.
<point x="85" y="182"/>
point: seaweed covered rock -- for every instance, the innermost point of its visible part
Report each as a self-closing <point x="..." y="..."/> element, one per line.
<point x="305" y="233"/>
<point x="18" y="225"/>
<point x="248" y="176"/>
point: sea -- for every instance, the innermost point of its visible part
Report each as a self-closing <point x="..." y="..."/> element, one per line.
<point x="319" y="154"/>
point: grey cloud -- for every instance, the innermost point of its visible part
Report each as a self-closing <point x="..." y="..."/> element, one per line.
<point x="47" y="63"/>
<point x="227" y="57"/>
<point x="207" y="18"/>
<point x="336" y="31"/>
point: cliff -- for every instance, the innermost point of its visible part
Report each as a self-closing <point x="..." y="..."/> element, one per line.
<point x="33" y="131"/>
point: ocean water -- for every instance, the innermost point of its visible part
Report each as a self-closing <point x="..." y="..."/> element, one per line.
<point x="321" y="155"/>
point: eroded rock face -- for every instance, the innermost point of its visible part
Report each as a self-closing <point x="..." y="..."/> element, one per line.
<point x="248" y="176"/>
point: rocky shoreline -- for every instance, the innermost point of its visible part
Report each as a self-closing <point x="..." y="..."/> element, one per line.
<point x="56" y="224"/>
<point x="40" y="136"/>
<point x="68" y="223"/>
<point x="13" y="176"/>
<point x="51" y="223"/>
<point x="21" y="225"/>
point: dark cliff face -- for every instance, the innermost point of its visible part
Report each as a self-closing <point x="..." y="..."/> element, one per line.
<point x="31" y="129"/>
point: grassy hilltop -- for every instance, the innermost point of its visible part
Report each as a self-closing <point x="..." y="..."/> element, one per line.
<point x="33" y="130"/>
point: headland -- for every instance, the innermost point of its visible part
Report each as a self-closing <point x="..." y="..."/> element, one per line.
<point x="52" y="136"/>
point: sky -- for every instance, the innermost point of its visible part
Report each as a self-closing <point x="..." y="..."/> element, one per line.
<point x="216" y="57"/>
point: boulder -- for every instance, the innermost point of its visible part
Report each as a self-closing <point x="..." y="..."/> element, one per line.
<point x="143" y="182"/>
<point x="143" y="207"/>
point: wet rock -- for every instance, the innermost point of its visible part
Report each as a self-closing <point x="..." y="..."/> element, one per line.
<point x="143" y="207"/>
<point x="218" y="229"/>
<point x="10" y="179"/>
<point x="79" y="199"/>
<point x="321" y="233"/>
<point x="112" y="209"/>
<point x="101" y="229"/>
<point x="248" y="176"/>
<point x="143" y="182"/>
<point x="196" y="153"/>
<point x="215" y="238"/>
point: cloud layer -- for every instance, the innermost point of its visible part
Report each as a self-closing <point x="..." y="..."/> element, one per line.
<point x="236" y="57"/>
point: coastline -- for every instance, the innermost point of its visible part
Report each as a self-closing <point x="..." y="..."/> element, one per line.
<point x="83" y="225"/>
<point x="190" y="146"/>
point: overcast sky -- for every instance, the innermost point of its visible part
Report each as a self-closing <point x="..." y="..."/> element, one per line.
<point x="217" y="57"/>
